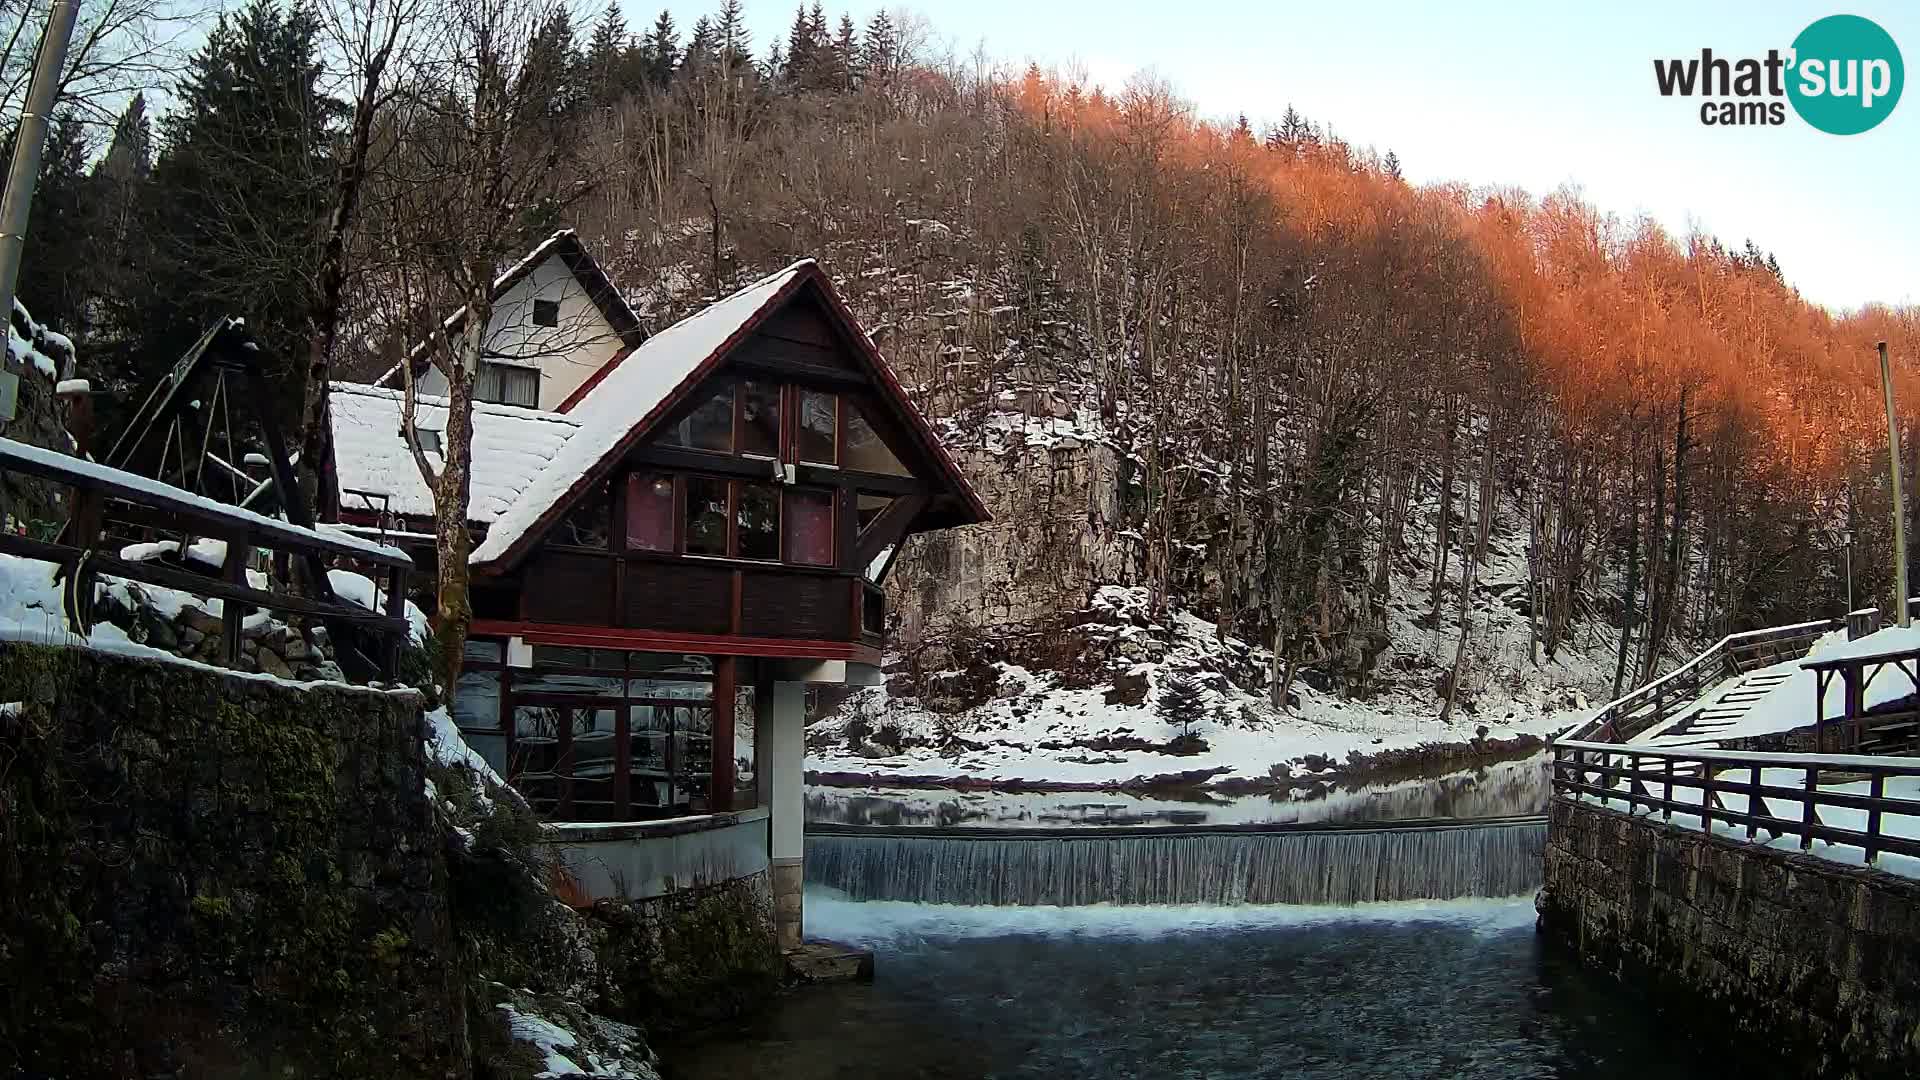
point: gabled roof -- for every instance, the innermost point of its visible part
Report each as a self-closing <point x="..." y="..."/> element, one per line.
<point x="600" y="289"/>
<point x="625" y="399"/>
<point x="510" y="447"/>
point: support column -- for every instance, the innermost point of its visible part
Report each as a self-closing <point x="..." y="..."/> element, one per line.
<point x="783" y="724"/>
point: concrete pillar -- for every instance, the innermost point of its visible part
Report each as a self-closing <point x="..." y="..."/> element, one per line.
<point x="783" y="723"/>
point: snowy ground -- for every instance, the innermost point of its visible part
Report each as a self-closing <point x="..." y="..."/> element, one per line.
<point x="1035" y="730"/>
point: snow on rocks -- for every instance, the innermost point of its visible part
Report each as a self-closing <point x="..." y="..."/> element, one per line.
<point x="1001" y="722"/>
<point x="571" y="1042"/>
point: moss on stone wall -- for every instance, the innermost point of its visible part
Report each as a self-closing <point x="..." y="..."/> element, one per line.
<point x="693" y="957"/>
<point x="217" y="875"/>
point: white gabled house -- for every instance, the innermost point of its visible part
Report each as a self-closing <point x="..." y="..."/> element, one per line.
<point x="557" y="320"/>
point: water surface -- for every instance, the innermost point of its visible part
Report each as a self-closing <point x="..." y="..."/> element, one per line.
<point x="1443" y="989"/>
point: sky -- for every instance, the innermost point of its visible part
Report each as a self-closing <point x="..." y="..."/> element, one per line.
<point x="1537" y="95"/>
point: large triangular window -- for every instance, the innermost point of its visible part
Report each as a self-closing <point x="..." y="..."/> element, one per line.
<point x="866" y="450"/>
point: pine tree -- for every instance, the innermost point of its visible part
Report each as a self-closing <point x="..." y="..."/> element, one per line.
<point x="661" y="50"/>
<point x="703" y="47"/>
<point x="846" y="54"/>
<point x="56" y="274"/>
<point x="880" y="51"/>
<point x="1180" y="703"/>
<point x="232" y="222"/>
<point x="734" y="41"/>
<point x="801" y="50"/>
<point x="1391" y="166"/>
<point x="553" y="69"/>
<point x="606" y="58"/>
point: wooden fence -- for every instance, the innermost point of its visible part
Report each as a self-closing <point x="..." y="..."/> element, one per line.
<point x="101" y="494"/>
<point x="1653" y="703"/>
<point x="1649" y="778"/>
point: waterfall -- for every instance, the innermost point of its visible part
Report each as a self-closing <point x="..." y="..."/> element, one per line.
<point x="1347" y="865"/>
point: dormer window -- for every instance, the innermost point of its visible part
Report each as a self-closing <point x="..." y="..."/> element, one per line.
<point x="546" y="313"/>
<point x="504" y="384"/>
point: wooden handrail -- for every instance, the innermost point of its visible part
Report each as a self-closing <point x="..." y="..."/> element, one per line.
<point x="100" y="493"/>
<point x="1683" y="684"/>
<point x="1645" y="777"/>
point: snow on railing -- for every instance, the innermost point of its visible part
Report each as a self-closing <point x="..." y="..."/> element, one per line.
<point x="1687" y="783"/>
<point x="1687" y="675"/>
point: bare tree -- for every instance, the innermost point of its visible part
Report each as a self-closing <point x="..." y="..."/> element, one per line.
<point x="119" y="47"/>
<point x="481" y="143"/>
<point x="375" y="43"/>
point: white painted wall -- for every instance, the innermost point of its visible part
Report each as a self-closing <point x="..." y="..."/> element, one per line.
<point x="566" y="354"/>
<point x="620" y="859"/>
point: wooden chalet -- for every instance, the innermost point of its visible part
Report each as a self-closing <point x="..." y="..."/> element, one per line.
<point x="701" y="527"/>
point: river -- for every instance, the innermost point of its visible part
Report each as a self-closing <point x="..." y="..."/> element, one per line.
<point x="998" y="987"/>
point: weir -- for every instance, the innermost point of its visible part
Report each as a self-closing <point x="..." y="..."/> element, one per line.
<point x="1412" y="860"/>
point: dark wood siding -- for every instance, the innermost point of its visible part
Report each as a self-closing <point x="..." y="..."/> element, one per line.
<point x="767" y="349"/>
<point x="802" y="322"/>
<point x="680" y="597"/>
<point x="796" y="605"/>
<point x="563" y="587"/>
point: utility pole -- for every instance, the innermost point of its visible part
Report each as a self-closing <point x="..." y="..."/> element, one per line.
<point x="17" y="204"/>
<point x="1899" y="503"/>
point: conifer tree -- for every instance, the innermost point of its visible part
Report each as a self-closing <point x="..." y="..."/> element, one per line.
<point x="59" y="247"/>
<point x="846" y="54"/>
<point x="233" y="220"/>
<point x="801" y="50"/>
<point x="1180" y="703"/>
<point x="661" y="50"/>
<point x="880" y="50"/>
<point x="703" y="47"/>
<point x="606" y="57"/>
<point x="735" y="43"/>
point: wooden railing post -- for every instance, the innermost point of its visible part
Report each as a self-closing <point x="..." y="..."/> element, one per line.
<point x="396" y="607"/>
<point x="1753" y="800"/>
<point x="1806" y="807"/>
<point x="1666" y="812"/>
<point x="232" y="612"/>
<point x="1876" y="792"/>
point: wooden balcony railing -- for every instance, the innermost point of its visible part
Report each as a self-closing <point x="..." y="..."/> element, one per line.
<point x="1747" y="791"/>
<point x="102" y="494"/>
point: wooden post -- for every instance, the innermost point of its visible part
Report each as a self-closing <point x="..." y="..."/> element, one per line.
<point x="396" y="608"/>
<point x="1666" y="812"/>
<point x="1899" y="506"/>
<point x="720" y="783"/>
<point x="1807" y="815"/>
<point x="233" y="612"/>
<point x="1876" y="791"/>
<point x="1753" y="800"/>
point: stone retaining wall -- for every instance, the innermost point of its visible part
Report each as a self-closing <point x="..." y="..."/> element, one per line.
<point x="211" y="875"/>
<point x="1796" y="952"/>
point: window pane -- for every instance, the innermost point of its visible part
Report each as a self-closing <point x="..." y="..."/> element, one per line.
<point x="809" y="524"/>
<point x="649" y="512"/>
<point x="647" y="756"/>
<point x="706" y="516"/>
<point x="539" y="682"/>
<point x="546" y="313"/>
<point x="744" y="781"/>
<point x="476" y="700"/>
<point x="692" y="756"/>
<point x="562" y="656"/>
<point x="677" y="689"/>
<point x="866" y="451"/>
<point x="594" y="743"/>
<point x="759" y="521"/>
<point x="590" y="522"/>
<point x="760" y="418"/>
<point x="817" y="427"/>
<point x="483" y="649"/>
<point x="520" y="386"/>
<point x="871" y="507"/>
<point x="708" y="427"/>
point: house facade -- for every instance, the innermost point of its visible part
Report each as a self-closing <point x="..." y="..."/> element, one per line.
<point x="666" y="559"/>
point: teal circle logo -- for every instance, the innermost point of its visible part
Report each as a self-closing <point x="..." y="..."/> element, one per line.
<point x="1846" y="74"/>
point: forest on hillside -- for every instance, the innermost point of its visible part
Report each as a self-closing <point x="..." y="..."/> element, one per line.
<point x="1316" y="374"/>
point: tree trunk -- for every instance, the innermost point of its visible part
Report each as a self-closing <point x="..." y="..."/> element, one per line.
<point x="1631" y="588"/>
<point x="453" y="613"/>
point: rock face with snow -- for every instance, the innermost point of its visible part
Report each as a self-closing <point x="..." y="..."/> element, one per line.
<point x="40" y="357"/>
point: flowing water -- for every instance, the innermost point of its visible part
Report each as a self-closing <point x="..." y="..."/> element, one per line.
<point x="1247" y="938"/>
<point x="1162" y="866"/>
<point x="1450" y="989"/>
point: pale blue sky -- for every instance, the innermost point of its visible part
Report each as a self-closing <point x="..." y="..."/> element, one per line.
<point x="1535" y="94"/>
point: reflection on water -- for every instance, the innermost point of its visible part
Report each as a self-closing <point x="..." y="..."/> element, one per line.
<point x="1459" y="989"/>
<point x="1498" y="790"/>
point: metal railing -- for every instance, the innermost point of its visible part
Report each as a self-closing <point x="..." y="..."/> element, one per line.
<point x="1653" y="703"/>
<point x="1733" y="789"/>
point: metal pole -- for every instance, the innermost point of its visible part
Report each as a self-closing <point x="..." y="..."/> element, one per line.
<point x="1899" y="503"/>
<point x="30" y="139"/>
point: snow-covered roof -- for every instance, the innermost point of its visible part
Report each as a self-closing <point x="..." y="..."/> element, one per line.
<point x="624" y="398"/>
<point x="510" y="447"/>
